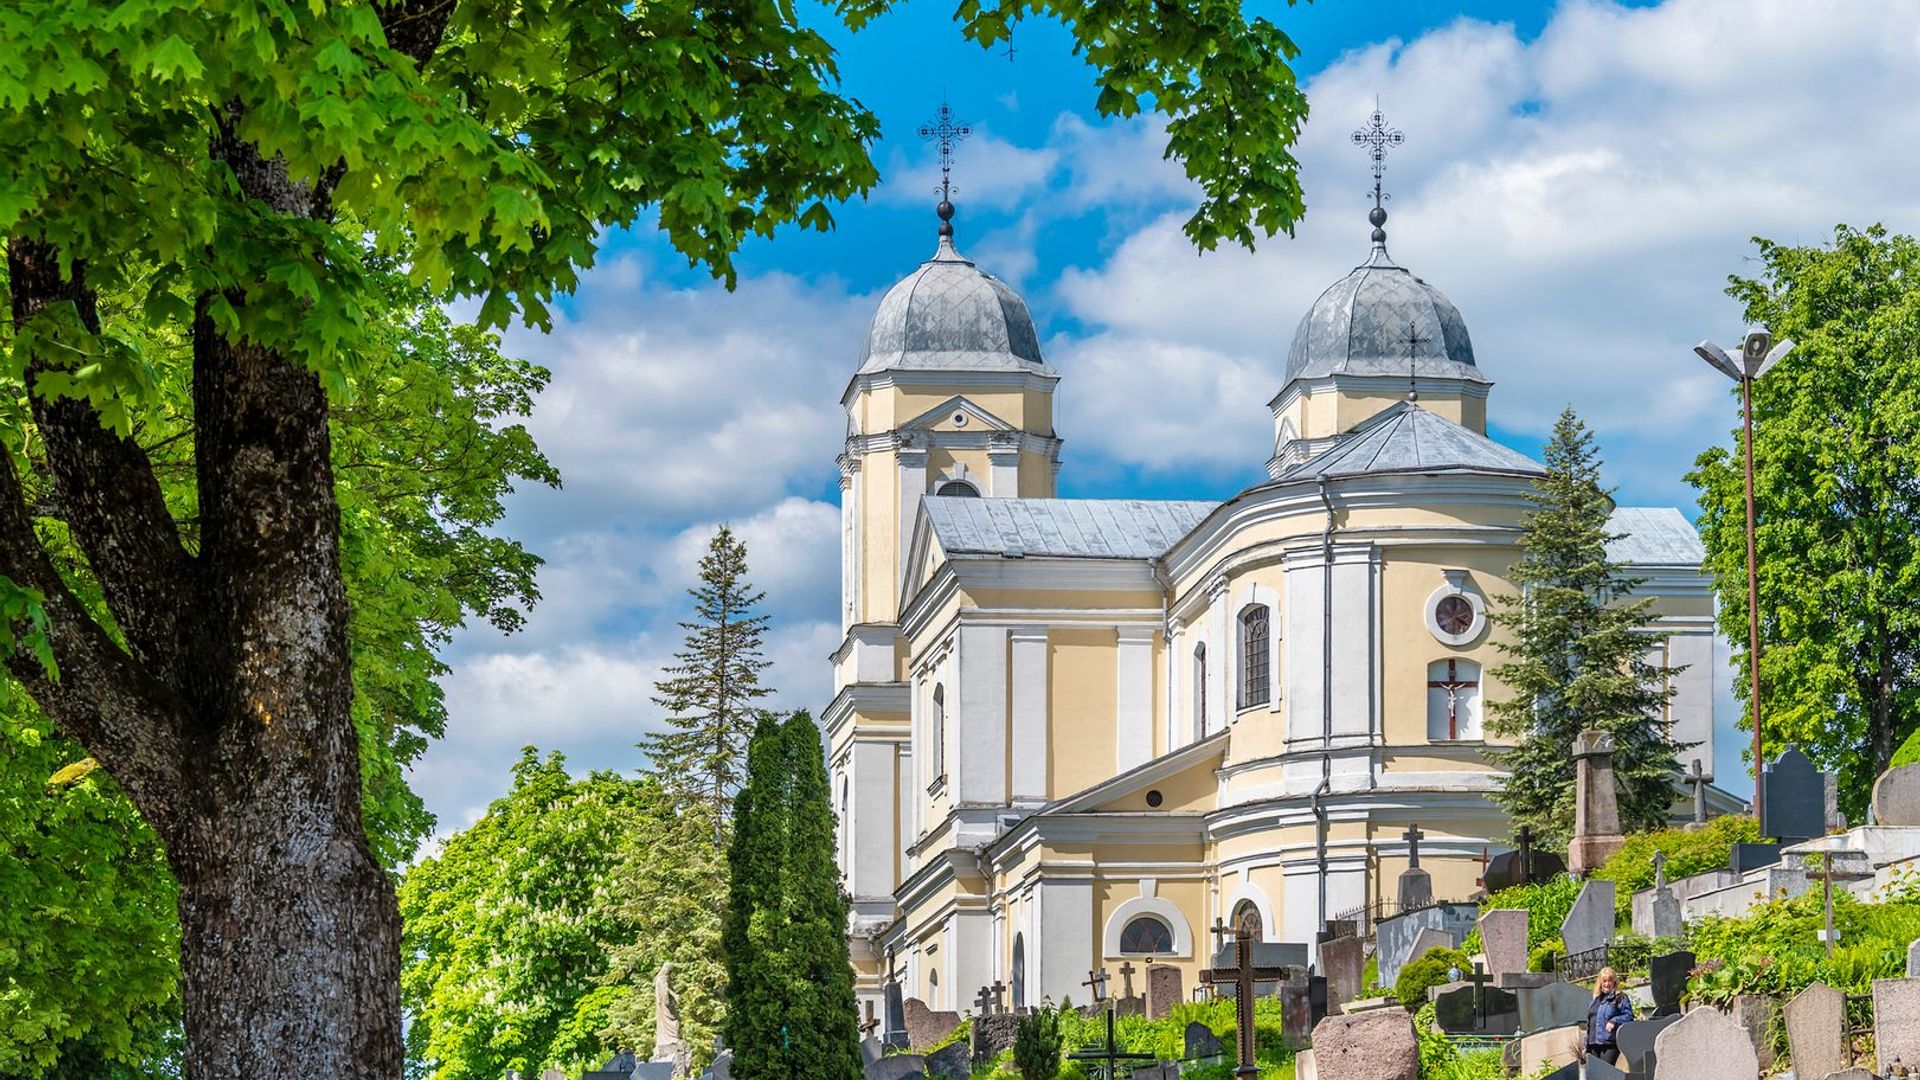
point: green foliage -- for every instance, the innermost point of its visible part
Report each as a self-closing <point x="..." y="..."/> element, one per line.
<point x="1166" y="1038"/>
<point x="1036" y="1044"/>
<point x="1545" y="902"/>
<point x="510" y="925"/>
<point x="1546" y="956"/>
<point x="1578" y="655"/>
<point x="1427" y="970"/>
<point x="1837" y="502"/>
<point x="1688" y="852"/>
<point x="710" y="691"/>
<point x="1909" y="752"/>
<point x="1776" y="949"/>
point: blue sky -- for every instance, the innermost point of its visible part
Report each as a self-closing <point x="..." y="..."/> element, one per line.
<point x="1579" y="178"/>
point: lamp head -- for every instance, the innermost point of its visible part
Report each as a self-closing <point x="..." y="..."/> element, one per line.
<point x="1754" y="349"/>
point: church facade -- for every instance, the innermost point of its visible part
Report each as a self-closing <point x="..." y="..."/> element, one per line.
<point x="1069" y="734"/>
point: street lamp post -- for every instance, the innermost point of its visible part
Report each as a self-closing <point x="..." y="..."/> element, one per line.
<point x="1758" y="354"/>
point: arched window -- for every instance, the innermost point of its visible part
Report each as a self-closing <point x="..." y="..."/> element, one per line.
<point x="1246" y="916"/>
<point x="939" y="730"/>
<point x="933" y="989"/>
<point x="1019" y="971"/>
<point x="959" y="488"/>
<point x="1453" y="699"/>
<point x="1146" y="936"/>
<point x="1254" y="684"/>
<point x="1200" y="690"/>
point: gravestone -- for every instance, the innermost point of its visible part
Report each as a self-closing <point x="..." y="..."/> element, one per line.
<point x="722" y="1067"/>
<point x="925" y="1027"/>
<point x="898" y="1067"/>
<point x="993" y="1033"/>
<point x="1743" y="857"/>
<point x="1416" y="885"/>
<point x="1165" y="1070"/>
<point x="1913" y="960"/>
<point x="1855" y="1073"/>
<point x="1635" y="1038"/>
<point x="1317" y="1009"/>
<point x="1704" y="1043"/>
<point x="552" y="1074"/>
<point x="1394" y="937"/>
<point x="641" y="1070"/>
<point x="1556" y="1004"/>
<point x="1551" y="1049"/>
<point x="872" y="1050"/>
<point x="1163" y="990"/>
<point x="1596" y="804"/>
<point x="894" y="1033"/>
<point x="1795" y="804"/>
<point x="1375" y="1045"/>
<point x="1589" y="924"/>
<point x="953" y="1062"/>
<point x="1503" y="936"/>
<point x="1296" y="1006"/>
<point x="1202" y="1042"/>
<point x="1344" y="960"/>
<point x="1484" y="1010"/>
<point x="1754" y="1014"/>
<point x="1665" y="912"/>
<point x="1896" y="1021"/>
<point x="1425" y="941"/>
<point x="1896" y="796"/>
<point x="1522" y="866"/>
<point x="1669" y="974"/>
<point x="1816" y="1030"/>
<point x="1598" y="1069"/>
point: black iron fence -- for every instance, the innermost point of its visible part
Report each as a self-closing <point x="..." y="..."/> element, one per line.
<point x="1581" y="966"/>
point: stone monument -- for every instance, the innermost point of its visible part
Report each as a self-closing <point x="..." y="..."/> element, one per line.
<point x="1664" y="909"/>
<point x="1503" y="936"/>
<point x="1589" y="923"/>
<point x="1596" y="808"/>
<point x="1795" y="807"/>
<point x="1416" y="885"/>
<point x="1816" y="1030"/>
<point x="1896" y="797"/>
<point x="1704" y="1043"/>
<point x="1163" y="990"/>
<point x="667" y="1045"/>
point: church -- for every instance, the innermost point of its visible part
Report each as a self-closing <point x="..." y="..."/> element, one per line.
<point x="1071" y="734"/>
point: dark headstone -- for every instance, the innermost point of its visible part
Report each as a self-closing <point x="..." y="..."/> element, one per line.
<point x="1635" y="1039"/>
<point x="953" y="1062"/>
<point x="993" y="1033"/>
<point x="1489" y="1011"/>
<point x="1202" y="1042"/>
<point x="1503" y="870"/>
<point x="898" y="1067"/>
<point x="1316" y="999"/>
<point x="1344" y="960"/>
<point x="1598" y="1069"/>
<point x="895" y="1033"/>
<point x="1794" y="803"/>
<point x="1669" y="977"/>
<point x="1569" y="1071"/>
<point x="1296" y="1006"/>
<point x="1744" y="857"/>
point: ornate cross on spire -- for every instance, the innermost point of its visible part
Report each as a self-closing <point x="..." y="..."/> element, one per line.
<point x="1377" y="138"/>
<point x="946" y="135"/>
<point x="1414" y="341"/>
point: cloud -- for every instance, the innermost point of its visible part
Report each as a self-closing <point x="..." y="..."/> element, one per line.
<point x="999" y="174"/>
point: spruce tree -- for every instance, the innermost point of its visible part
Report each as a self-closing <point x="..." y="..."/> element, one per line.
<point x="1580" y="652"/>
<point x="710" y="691"/>
<point x="753" y="929"/>
<point x="823" y="1028"/>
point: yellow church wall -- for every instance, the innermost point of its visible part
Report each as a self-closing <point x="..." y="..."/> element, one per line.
<point x="1408" y="576"/>
<point x="1081" y="708"/>
<point x="1188" y="895"/>
<point x="1036" y="476"/>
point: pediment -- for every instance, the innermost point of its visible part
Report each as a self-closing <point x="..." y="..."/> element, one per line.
<point x="956" y="414"/>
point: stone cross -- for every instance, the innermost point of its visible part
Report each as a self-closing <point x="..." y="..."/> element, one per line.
<point x="1413" y="836"/>
<point x="1698" y="781"/>
<point x="985" y="1001"/>
<point x="1659" y="870"/>
<point x="999" y="989"/>
<point x="1244" y="975"/>
<point x="1126" y="979"/>
<point x="868" y="1025"/>
<point x="1097" y="980"/>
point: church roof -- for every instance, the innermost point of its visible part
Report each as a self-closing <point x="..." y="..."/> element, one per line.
<point x="1654" y="536"/>
<point x="950" y="315"/>
<point x="1407" y="438"/>
<point x="1360" y="326"/>
<point x="1064" y="528"/>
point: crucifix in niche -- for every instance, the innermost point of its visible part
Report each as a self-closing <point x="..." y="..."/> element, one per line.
<point x="1458" y="701"/>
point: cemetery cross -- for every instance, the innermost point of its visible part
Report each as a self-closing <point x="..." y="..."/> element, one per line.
<point x="999" y="989"/>
<point x="1659" y="870"/>
<point x="1413" y="836"/>
<point x="1110" y="1054"/>
<point x="1126" y="979"/>
<point x="1244" y="975"/>
<point x="1097" y="981"/>
<point x="1479" y="979"/>
<point x="985" y="1001"/>
<point x="1698" y="781"/>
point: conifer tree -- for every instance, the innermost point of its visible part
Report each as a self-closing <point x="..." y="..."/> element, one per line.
<point x="1579" y="655"/>
<point x="823" y="1027"/>
<point x="754" y="928"/>
<point x="711" y="690"/>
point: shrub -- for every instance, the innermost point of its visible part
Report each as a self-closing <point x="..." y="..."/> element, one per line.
<point x="1036" y="1044"/>
<point x="1546" y="904"/>
<point x="1908" y="753"/>
<point x="1776" y="948"/>
<point x="1429" y="969"/>
<point x="1688" y="851"/>
<point x="1545" y="956"/>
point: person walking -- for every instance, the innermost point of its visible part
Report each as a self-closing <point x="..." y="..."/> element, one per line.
<point x="1609" y="1010"/>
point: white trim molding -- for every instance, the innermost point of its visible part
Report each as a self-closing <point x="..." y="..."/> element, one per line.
<point x="1457" y="584"/>
<point x="1156" y="907"/>
<point x="1247" y="891"/>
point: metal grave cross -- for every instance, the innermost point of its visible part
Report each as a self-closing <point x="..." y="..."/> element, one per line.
<point x="985" y="1001"/>
<point x="1097" y="980"/>
<point x="1413" y="836"/>
<point x="1526" y="854"/>
<point x="1453" y="684"/>
<point x="1479" y="979"/>
<point x="1698" y="781"/>
<point x="1110" y="1055"/>
<point x="1243" y="976"/>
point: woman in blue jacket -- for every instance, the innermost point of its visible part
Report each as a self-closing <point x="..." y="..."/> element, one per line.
<point x="1609" y="1010"/>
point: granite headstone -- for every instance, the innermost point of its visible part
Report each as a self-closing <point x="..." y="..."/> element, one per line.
<point x="1794" y="807"/>
<point x="1201" y="1042"/>
<point x="1896" y="796"/>
<point x="1896" y="1021"/>
<point x="1704" y="1043"/>
<point x="1668" y="975"/>
<point x="1636" y="1038"/>
<point x="1379" y="1044"/>
<point x="1589" y="924"/>
<point x="1163" y="990"/>
<point x="1551" y="1049"/>
<point x="1467" y="1009"/>
<point x="1816" y="1030"/>
<point x="927" y="1027"/>
<point x="1553" y="1005"/>
<point x="1344" y="960"/>
<point x="954" y="1062"/>
<point x="1503" y="936"/>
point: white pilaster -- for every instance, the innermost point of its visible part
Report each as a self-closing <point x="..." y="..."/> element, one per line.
<point x="1219" y="659"/>
<point x="870" y="823"/>
<point x="912" y="454"/>
<point x="979" y="718"/>
<point x="849" y="541"/>
<point x="1062" y="949"/>
<point x="1003" y="468"/>
<point x="1133" y="697"/>
<point x="1029" y="749"/>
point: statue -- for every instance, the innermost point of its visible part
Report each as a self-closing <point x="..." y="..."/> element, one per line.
<point x="666" y="1022"/>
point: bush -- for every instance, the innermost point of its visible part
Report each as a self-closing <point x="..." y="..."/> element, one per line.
<point x="1908" y="753"/>
<point x="1546" y="904"/>
<point x="1429" y="969"/>
<point x="1776" y="948"/>
<point x="1036" y="1044"/>
<point x="1545" y="957"/>
<point x="1688" y="851"/>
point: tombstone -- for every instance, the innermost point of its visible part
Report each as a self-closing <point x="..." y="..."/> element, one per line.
<point x="1317" y="1009"/>
<point x="641" y="1070"/>
<point x="993" y="1033"/>
<point x="1596" y="804"/>
<point x="1896" y="1021"/>
<point x="1503" y="936"/>
<point x="1698" y="781"/>
<point x="1794" y="803"/>
<point x="953" y="1062"/>
<point x="1394" y="937"/>
<point x="894" y="1033"/>
<point x="1754" y="1014"/>
<point x="1376" y="1045"/>
<point x="897" y="1067"/>
<point x="1163" y="990"/>
<point x="1344" y="960"/>
<point x="925" y="1027"/>
<point x="1555" y="1005"/>
<point x="1743" y="857"/>
<point x="722" y="1067"/>
<point x="1477" y="1010"/>
<point x="872" y="1050"/>
<point x="1552" y="1048"/>
<point x="1425" y="941"/>
<point x="1665" y="921"/>
<point x="1816" y="1030"/>
<point x="1202" y="1043"/>
<point x="1913" y="959"/>
<point x="1896" y="796"/>
<point x="1704" y="1043"/>
<point x="1296" y="1006"/>
<point x="1635" y="1038"/>
<point x="1522" y="866"/>
<point x="552" y="1074"/>
<point x="1589" y="924"/>
<point x="1598" y="1069"/>
<point x="1416" y="885"/>
<point x="1669" y="975"/>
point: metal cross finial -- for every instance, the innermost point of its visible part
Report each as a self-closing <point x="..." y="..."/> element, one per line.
<point x="946" y="135"/>
<point x="1414" y="341"/>
<point x="1377" y="138"/>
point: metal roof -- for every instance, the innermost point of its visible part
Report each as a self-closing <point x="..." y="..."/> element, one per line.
<point x="1407" y="438"/>
<point x="1064" y="528"/>
<point x="951" y="315"/>
<point x="1360" y="326"/>
<point x="1654" y="536"/>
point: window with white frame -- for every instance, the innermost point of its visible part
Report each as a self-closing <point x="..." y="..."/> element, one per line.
<point x="1255" y="656"/>
<point x="1200" y="690"/>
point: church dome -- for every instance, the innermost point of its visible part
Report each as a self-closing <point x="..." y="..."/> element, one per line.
<point x="951" y="315"/>
<point x="1363" y="323"/>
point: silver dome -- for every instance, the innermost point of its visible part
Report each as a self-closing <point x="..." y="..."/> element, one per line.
<point x="1360" y="325"/>
<point x="951" y="315"/>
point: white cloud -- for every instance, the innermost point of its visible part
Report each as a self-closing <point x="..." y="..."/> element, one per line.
<point x="999" y="174"/>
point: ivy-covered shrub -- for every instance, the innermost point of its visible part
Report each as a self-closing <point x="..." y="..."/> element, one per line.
<point x="1688" y="851"/>
<point x="1429" y="969"/>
